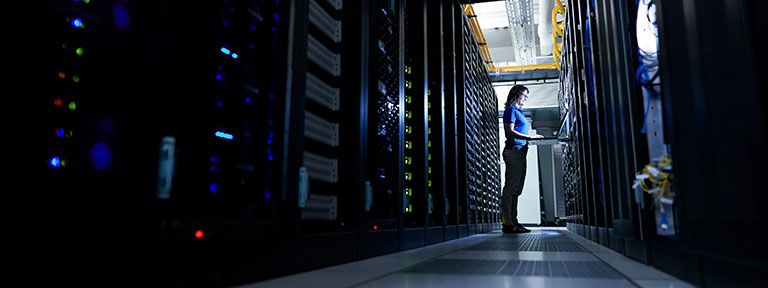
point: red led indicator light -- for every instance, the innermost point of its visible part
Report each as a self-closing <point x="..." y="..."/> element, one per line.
<point x="375" y="227"/>
<point x="199" y="234"/>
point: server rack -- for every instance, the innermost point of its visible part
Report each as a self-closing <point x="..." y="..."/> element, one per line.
<point x="182" y="138"/>
<point x="694" y="76"/>
<point x="465" y="226"/>
<point x="436" y="200"/>
<point x="265" y="131"/>
<point x="324" y="190"/>
<point x="450" y="10"/>
<point x="479" y="105"/>
<point x="78" y="147"/>
<point x="416" y="92"/>
<point x="620" y="118"/>
<point x="605" y="113"/>
<point x="226" y="170"/>
<point x="386" y="144"/>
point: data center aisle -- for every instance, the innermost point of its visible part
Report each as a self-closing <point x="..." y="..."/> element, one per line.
<point x="546" y="257"/>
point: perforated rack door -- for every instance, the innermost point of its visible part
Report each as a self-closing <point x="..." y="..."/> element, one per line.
<point x="481" y="120"/>
<point x="384" y="124"/>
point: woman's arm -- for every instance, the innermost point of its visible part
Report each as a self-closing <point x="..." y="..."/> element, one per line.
<point x="511" y="133"/>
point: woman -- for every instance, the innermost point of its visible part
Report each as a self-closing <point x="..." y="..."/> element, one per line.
<point x="516" y="131"/>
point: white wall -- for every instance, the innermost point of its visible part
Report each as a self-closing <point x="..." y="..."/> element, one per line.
<point x="539" y="95"/>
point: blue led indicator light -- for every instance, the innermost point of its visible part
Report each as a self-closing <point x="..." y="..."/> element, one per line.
<point x="224" y="135"/>
<point x="234" y="55"/>
<point x="122" y="19"/>
<point x="54" y="162"/>
<point x="60" y="132"/>
<point x="101" y="156"/>
<point x="225" y="50"/>
<point x="77" y="23"/>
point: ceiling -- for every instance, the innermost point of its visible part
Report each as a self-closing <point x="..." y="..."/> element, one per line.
<point x="492" y="17"/>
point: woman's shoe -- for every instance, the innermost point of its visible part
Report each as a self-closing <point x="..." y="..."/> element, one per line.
<point x="522" y="228"/>
<point x="514" y="229"/>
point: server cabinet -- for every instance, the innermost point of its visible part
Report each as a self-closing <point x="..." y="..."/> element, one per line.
<point x="323" y="187"/>
<point x="716" y="185"/>
<point x="478" y="114"/>
<point x="172" y="166"/>
<point x="257" y="139"/>
<point x="606" y="108"/>
<point x="416" y="156"/>
<point x="81" y="146"/>
<point x="218" y="162"/>
<point x="436" y="200"/>
<point x="384" y="152"/>
<point x="450" y="11"/>
<point x="623" y="114"/>
<point x="465" y="228"/>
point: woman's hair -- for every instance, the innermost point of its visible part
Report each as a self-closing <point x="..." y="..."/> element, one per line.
<point x="514" y="95"/>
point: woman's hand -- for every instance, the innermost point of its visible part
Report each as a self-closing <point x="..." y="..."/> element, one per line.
<point x="537" y="136"/>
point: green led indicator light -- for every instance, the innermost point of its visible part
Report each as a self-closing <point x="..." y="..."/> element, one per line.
<point x="76" y="79"/>
<point x="72" y="106"/>
<point x="79" y="51"/>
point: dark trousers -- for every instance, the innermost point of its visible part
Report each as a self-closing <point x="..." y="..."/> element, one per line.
<point x="514" y="177"/>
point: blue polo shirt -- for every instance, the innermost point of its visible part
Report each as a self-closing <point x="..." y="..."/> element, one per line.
<point x="513" y="114"/>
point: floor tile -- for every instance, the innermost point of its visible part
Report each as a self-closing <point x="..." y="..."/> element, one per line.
<point x="317" y="278"/>
<point x="662" y="284"/>
<point x="458" y="263"/>
<point x="522" y="255"/>
<point x="489" y="281"/>
<point x="631" y="268"/>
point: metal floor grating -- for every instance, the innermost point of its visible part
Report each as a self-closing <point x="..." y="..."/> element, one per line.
<point x="574" y="269"/>
<point x="529" y="242"/>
